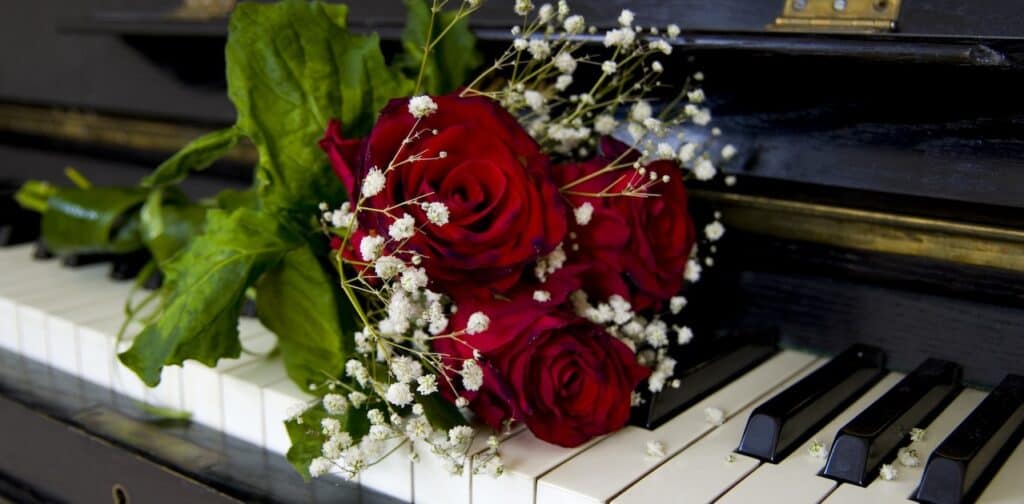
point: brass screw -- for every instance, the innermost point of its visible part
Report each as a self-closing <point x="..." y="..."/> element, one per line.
<point x="881" y="5"/>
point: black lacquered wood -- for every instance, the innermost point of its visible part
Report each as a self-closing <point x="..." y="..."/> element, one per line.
<point x="778" y="426"/>
<point x="963" y="464"/>
<point x="128" y="266"/>
<point x="79" y="260"/>
<point x="703" y="370"/>
<point x="877" y="433"/>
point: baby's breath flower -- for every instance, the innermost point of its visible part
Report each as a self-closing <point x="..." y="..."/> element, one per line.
<point x="405" y="369"/>
<point x="403" y="228"/>
<point x="888" y="472"/>
<point x="357" y="399"/>
<point x="417" y="409"/>
<point x="730" y="180"/>
<point x="917" y="434"/>
<point x="636" y="130"/>
<point x="546" y="13"/>
<point x="687" y="152"/>
<point x="660" y="46"/>
<point x="640" y="111"/>
<point x="520" y="44"/>
<point x="574" y="25"/>
<point x="399" y="394"/>
<point x="320" y="466"/>
<point x="477" y="323"/>
<point x="702" y="118"/>
<point x="609" y="67"/>
<point x="817" y="449"/>
<point x="565" y="63"/>
<point x="523" y="7"/>
<point x="657" y="67"/>
<point x="335" y="404"/>
<point x="714" y="416"/>
<point x="418" y="428"/>
<point x="583" y="213"/>
<point x="626" y="17"/>
<point x="414" y="279"/>
<point x="728" y="152"/>
<point x="676" y="304"/>
<point x="605" y="124"/>
<point x="563" y="82"/>
<point x="665" y="151"/>
<point x="374" y="182"/>
<point x="541" y="296"/>
<point x="684" y="335"/>
<point x="673" y="30"/>
<point x="705" y="170"/>
<point x="437" y="213"/>
<point x="714" y="231"/>
<point x="375" y="416"/>
<point x="655" y="449"/>
<point x="535" y="100"/>
<point x="427" y="384"/>
<point x="422" y="106"/>
<point x="539" y="49"/>
<point x="330" y="426"/>
<point x="908" y="457"/>
<point x="550" y="263"/>
<point x="461" y="402"/>
<point x="460" y="434"/>
<point x="387" y="267"/>
<point x="693" y="270"/>
<point x="620" y="37"/>
<point x="472" y="375"/>
<point x="696" y="96"/>
<point x="370" y="247"/>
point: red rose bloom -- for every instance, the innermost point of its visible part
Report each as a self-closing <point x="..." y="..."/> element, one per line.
<point x="472" y="155"/>
<point x="636" y="247"/>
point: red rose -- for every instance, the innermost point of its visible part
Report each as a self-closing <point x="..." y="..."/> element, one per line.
<point x="636" y="247"/>
<point x="504" y="211"/>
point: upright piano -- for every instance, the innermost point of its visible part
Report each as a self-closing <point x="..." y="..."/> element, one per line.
<point x="869" y="289"/>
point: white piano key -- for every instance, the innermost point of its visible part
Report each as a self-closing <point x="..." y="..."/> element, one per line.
<point x="434" y="483"/>
<point x="1006" y="487"/>
<point x="393" y="475"/>
<point x="62" y="333"/>
<point x="903" y="486"/>
<point x="201" y="385"/>
<point x="280" y="400"/>
<point x="621" y="458"/>
<point x="795" y="480"/>
<point x="242" y="395"/>
<point x="703" y="471"/>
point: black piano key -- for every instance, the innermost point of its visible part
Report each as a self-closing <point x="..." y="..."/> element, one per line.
<point x="79" y="260"/>
<point x="128" y="266"/>
<point x="41" y="252"/>
<point x="963" y="464"/>
<point x="778" y="426"/>
<point x="877" y="433"/>
<point x="702" y="370"/>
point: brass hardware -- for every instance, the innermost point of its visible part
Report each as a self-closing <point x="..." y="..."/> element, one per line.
<point x="838" y="16"/>
<point x="957" y="242"/>
<point x="203" y="10"/>
<point x="119" y="494"/>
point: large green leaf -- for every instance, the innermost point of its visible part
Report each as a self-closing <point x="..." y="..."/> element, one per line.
<point x="308" y="438"/>
<point x="452" y="59"/>
<point x="199" y="154"/>
<point x="300" y="303"/>
<point x="204" y="289"/>
<point x="169" y="223"/>
<point x="94" y="220"/>
<point x="292" y="66"/>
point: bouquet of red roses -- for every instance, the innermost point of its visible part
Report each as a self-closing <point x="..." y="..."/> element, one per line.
<point x="506" y="252"/>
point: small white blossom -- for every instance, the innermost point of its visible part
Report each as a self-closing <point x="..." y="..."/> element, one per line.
<point x="696" y="96"/>
<point x="320" y="466"/>
<point x="539" y="49"/>
<point x="355" y="369"/>
<point x="640" y="111"/>
<point x="335" y="404"/>
<point x="563" y="8"/>
<point x="374" y="182"/>
<point x="908" y="457"/>
<point x="684" y="335"/>
<point x="626" y="17"/>
<point x="330" y="426"/>
<point x="387" y="267"/>
<point x="399" y="394"/>
<point x="565" y="63"/>
<point x="657" y="67"/>
<point x="705" y="170"/>
<point x="461" y="402"/>
<point x="693" y="270"/>
<point x="546" y="13"/>
<point x="661" y="46"/>
<point x="665" y="151"/>
<point x="676" y="304"/>
<point x="698" y="76"/>
<point x="817" y="449"/>
<point x="714" y="416"/>
<point x="687" y="152"/>
<point x="437" y="213"/>
<point x="370" y="247"/>
<point x="523" y="7"/>
<point x="714" y="231"/>
<point x="460" y="434"/>
<point x="520" y="44"/>
<point x="418" y="428"/>
<point x="730" y="458"/>
<point x="702" y="118"/>
<point x="535" y="100"/>
<point x="422" y="106"/>
<point x="375" y="416"/>
<point x="403" y="228"/>
<point x="563" y="82"/>
<point x="620" y="37"/>
<point x="472" y="375"/>
<point x="917" y="434"/>
<point x="656" y="334"/>
<point x="357" y="399"/>
<point x="405" y="369"/>
<point x="609" y="67"/>
<point x="583" y="213"/>
<point x="541" y="296"/>
<point x="605" y="124"/>
<point x="550" y="263"/>
<point x="427" y="384"/>
<point x="477" y="323"/>
<point x="888" y="472"/>
<point x="673" y="30"/>
<point x="574" y="25"/>
<point x="655" y="449"/>
<point x="730" y="180"/>
<point x="414" y="279"/>
<point x="728" y="152"/>
<point x="378" y="432"/>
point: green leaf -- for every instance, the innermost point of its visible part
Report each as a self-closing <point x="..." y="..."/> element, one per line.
<point x="230" y="199"/>
<point x="203" y="292"/>
<point x="94" y="220"/>
<point x="303" y="305"/>
<point x="291" y="67"/>
<point x="451" y="60"/>
<point x="441" y="413"/>
<point x="308" y="438"/>
<point x="34" y="194"/>
<point x="169" y="223"/>
<point x="198" y="155"/>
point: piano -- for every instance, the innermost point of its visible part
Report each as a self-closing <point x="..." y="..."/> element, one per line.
<point x="871" y="270"/>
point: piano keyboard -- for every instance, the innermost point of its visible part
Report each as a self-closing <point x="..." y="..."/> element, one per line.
<point x="68" y="319"/>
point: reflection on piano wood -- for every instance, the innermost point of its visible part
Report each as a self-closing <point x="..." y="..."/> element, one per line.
<point x="68" y="318"/>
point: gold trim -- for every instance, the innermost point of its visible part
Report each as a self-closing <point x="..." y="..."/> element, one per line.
<point x="108" y="131"/>
<point x="844" y="227"/>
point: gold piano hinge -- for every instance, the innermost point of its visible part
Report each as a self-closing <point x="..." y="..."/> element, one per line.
<point x="838" y="16"/>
